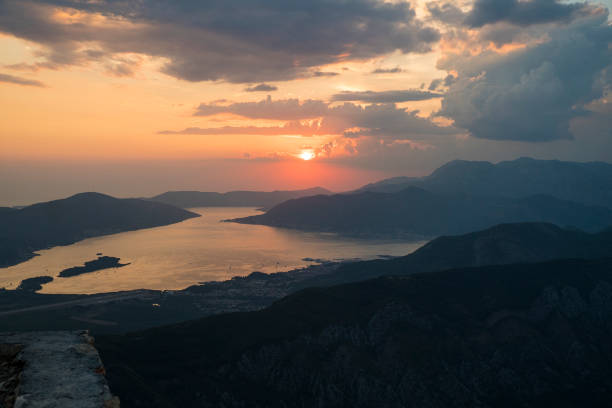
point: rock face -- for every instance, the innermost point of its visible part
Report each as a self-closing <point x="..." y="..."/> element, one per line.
<point x="55" y="369"/>
<point x="10" y="370"/>
<point x="527" y="335"/>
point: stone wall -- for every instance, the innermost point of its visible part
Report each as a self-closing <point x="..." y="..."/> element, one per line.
<point x="52" y="369"/>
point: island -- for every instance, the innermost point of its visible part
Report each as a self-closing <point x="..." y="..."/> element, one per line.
<point x="103" y="262"/>
<point x="34" y="284"/>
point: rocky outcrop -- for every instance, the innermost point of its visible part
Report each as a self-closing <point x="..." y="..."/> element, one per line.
<point x="52" y="369"/>
<point x="526" y="335"/>
<point x="10" y="371"/>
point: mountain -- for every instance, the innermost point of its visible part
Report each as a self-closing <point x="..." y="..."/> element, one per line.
<point x="63" y="222"/>
<point x="528" y="335"/>
<point x="498" y="245"/>
<point x="423" y="213"/>
<point x="189" y="199"/>
<point x="390" y="185"/>
<point x="589" y="183"/>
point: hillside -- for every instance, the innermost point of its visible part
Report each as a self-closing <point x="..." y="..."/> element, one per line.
<point x="190" y="199"/>
<point x="63" y="222"/>
<point x="498" y="245"/>
<point x="589" y="183"/>
<point x="528" y="335"/>
<point x="418" y="212"/>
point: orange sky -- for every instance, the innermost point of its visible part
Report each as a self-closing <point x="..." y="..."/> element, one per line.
<point x="121" y="108"/>
<point x="85" y="112"/>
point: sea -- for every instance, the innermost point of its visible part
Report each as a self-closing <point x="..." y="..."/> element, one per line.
<point x="196" y="250"/>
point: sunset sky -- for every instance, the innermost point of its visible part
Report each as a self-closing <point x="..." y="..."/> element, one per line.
<point x="136" y="97"/>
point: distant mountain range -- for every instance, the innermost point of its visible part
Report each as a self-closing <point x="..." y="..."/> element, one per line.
<point x="85" y="215"/>
<point x="589" y="183"/>
<point x="528" y="335"/>
<point x="189" y="199"/>
<point x="423" y="213"/>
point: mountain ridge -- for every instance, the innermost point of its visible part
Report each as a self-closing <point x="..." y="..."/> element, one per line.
<point x="243" y="198"/>
<point x="586" y="182"/>
<point x="417" y="212"/>
<point x="499" y="245"/>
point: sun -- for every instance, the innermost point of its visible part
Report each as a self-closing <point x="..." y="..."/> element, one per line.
<point x="306" y="155"/>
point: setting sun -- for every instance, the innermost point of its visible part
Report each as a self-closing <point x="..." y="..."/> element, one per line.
<point x="307" y="155"/>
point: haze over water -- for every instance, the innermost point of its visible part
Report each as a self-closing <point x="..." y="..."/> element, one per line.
<point x="196" y="250"/>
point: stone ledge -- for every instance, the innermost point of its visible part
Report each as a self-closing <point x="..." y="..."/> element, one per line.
<point x="60" y="369"/>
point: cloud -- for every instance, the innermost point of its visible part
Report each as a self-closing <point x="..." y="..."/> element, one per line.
<point x="261" y="88"/>
<point x="290" y="128"/>
<point x="446" y="12"/>
<point x="239" y="41"/>
<point x="20" y="81"/>
<point x="395" y="70"/>
<point x="286" y="109"/>
<point x="522" y="13"/>
<point x="317" y="74"/>
<point x="533" y="93"/>
<point x="440" y="82"/>
<point x="385" y="96"/>
<point x="383" y="120"/>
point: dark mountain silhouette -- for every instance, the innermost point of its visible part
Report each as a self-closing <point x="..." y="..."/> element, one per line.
<point x="498" y="245"/>
<point x="390" y="185"/>
<point x="188" y="199"/>
<point x="528" y="335"/>
<point x="63" y="222"/>
<point x="422" y="213"/>
<point x="589" y="183"/>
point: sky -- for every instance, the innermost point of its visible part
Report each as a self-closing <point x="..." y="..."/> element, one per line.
<point x="137" y="97"/>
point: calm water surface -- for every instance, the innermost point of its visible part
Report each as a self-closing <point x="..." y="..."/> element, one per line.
<point x="196" y="250"/>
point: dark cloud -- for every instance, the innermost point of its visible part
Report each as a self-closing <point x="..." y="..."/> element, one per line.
<point x="395" y="70"/>
<point x="324" y="74"/>
<point x="386" y="96"/>
<point x="532" y="94"/>
<point x="446" y="12"/>
<point x="350" y="120"/>
<point x="20" y="81"/>
<point x="522" y="13"/>
<point x="384" y="121"/>
<point x="290" y="128"/>
<point x="440" y="82"/>
<point x="261" y="88"/>
<point x="286" y="109"/>
<point x="238" y="41"/>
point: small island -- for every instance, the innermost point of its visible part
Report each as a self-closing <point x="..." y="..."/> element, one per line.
<point x="103" y="262"/>
<point x="34" y="284"/>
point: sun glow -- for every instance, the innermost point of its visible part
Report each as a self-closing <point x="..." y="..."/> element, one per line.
<point x="306" y="155"/>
